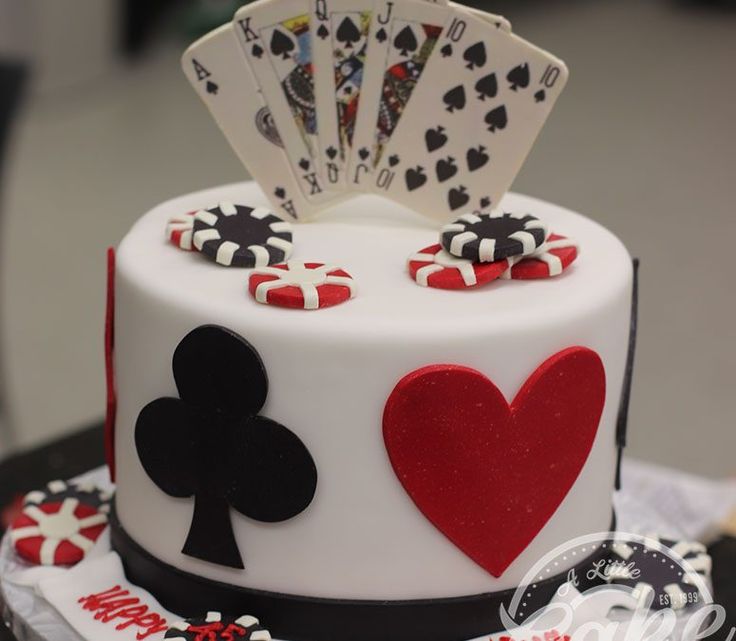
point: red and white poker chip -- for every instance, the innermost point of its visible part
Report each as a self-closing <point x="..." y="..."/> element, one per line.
<point x="301" y="285"/>
<point x="435" y="267"/>
<point x="57" y="533"/>
<point x="550" y="260"/>
<point x="179" y="231"/>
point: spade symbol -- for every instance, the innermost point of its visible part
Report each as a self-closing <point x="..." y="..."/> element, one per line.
<point x="485" y="202"/>
<point x="446" y="51"/>
<point x="212" y="88"/>
<point x="476" y="55"/>
<point x="257" y="51"/>
<point x="446" y="169"/>
<point x="455" y="99"/>
<point x="458" y="198"/>
<point x="540" y="96"/>
<point x="519" y="77"/>
<point x="381" y="35"/>
<point x="323" y="32"/>
<point x="415" y="178"/>
<point x="497" y="119"/>
<point x="304" y="164"/>
<point x="406" y="41"/>
<point x="477" y="158"/>
<point x="331" y="152"/>
<point x="394" y="160"/>
<point x="280" y="193"/>
<point x="435" y="139"/>
<point x="348" y="33"/>
<point x="364" y="153"/>
<point x="281" y="44"/>
<point x="487" y="87"/>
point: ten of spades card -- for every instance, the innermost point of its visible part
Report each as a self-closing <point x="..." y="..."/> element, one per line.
<point x="276" y="41"/>
<point x="340" y="41"/>
<point x="472" y="120"/>
<point x="217" y="70"/>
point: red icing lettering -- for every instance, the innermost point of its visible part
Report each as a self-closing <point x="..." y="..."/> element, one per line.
<point x="217" y="631"/>
<point x="106" y="612"/>
<point x="131" y="614"/>
<point x="117" y="603"/>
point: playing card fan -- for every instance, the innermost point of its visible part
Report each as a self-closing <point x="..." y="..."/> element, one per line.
<point x="430" y="104"/>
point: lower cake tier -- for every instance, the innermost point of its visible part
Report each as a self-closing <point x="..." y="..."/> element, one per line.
<point x="409" y="444"/>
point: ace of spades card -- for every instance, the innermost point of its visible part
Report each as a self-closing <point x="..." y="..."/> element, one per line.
<point x="471" y="122"/>
<point x="276" y="41"/>
<point x="217" y="70"/>
<point x="339" y="44"/>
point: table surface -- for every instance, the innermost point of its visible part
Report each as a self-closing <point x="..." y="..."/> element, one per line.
<point x="83" y="451"/>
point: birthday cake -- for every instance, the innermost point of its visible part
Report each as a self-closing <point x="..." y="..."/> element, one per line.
<point x="361" y="396"/>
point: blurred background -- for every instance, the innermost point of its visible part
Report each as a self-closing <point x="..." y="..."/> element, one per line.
<point x="98" y="125"/>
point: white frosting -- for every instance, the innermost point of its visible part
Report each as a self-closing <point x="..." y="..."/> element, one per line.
<point x="331" y="372"/>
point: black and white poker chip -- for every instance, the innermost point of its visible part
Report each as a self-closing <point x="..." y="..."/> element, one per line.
<point x="57" y="491"/>
<point x="240" y="236"/>
<point x="216" y="626"/>
<point x="652" y="568"/>
<point x="488" y="238"/>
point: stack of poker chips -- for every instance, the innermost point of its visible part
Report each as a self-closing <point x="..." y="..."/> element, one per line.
<point x="233" y="235"/>
<point x="477" y="249"/>
<point x="255" y="238"/>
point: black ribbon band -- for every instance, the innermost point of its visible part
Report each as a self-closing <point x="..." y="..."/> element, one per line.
<point x="300" y="618"/>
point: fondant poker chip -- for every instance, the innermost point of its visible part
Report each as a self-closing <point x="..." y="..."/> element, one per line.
<point x="489" y="238"/>
<point x="239" y="236"/>
<point x="56" y="491"/>
<point x="57" y="533"/>
<point x="218" y="627"/>
<point x="654" y="572"/>
<point x="179" y="231"/>
<point x="549" y="260"/>
<point x="301" y="285"/>
<point x="435" y="267"/>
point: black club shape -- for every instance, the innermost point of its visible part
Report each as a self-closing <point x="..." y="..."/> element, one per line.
<point x="210" y="444"/>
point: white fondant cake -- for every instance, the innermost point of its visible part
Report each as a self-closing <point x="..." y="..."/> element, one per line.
<point x="330" y="374"/>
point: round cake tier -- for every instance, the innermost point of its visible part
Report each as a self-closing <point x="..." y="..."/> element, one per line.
<point x="330" y="374"/>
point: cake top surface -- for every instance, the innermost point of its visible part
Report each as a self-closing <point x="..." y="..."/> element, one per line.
<point x="372" y="239"/>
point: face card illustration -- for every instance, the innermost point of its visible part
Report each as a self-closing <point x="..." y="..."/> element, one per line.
<point x="403" y="37"/>
<point x="482" y="101"/>
<point x="275" y="38"/>
<point x="350" y="44"/>
<point x="340" y="40"/>
<point x="217" y="70"/>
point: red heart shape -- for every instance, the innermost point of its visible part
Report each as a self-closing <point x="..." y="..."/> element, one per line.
<point x="488" y="475"/>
